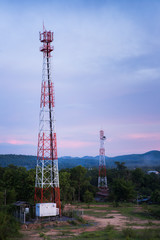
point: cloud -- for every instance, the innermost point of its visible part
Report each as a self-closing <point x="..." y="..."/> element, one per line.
<point x="17" y="142"/>
<point x="141" y="136"/>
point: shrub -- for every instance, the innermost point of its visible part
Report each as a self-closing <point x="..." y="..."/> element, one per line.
<point x="81" y="220"/>
<point x="129" y="233"/>
<point x="155" y="212"/>
<point x="72" y="222"/>
<point x="8" y="226"/>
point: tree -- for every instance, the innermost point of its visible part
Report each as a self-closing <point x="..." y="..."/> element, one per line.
<point x="11" y="196"/>
<point x="120" y="165"/>
<point x="138" y="177"/>
<point x="1" y="198"/>
<point x="122" y="190"/>
<point x="88" y="197"/>
<point x="30" y="185"/>
<point x="93" y="175"/>
<point x="78" y="177"/>
<point x="67" y="192"/>
<point x="21" y="184"/>
<point x="155" y="197"/>
<point x="121" y="170"/>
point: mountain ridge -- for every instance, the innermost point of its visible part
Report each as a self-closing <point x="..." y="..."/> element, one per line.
<point x="151" y="158"/>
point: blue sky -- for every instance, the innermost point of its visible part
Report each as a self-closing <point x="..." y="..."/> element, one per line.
<point x="106" y="71"/>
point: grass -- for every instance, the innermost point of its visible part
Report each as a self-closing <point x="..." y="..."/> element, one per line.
<point x="43" y="236"/>
<point x="151" y="230"/>
<point x="143" y="213"/>
<point x="109" y="233"/>
<point x="148" y="224"/>
<point x="97" y="208"/>
<point x="128" y="210"/>
<point x="95" y="214"/>
<point x="128" y="233"/>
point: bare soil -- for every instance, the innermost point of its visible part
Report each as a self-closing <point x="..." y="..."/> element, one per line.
<point x="37" y="231"/>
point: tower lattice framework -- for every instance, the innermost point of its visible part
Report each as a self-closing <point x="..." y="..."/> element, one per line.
<point x="102" y="179"/>
<point x="47" y="176"/>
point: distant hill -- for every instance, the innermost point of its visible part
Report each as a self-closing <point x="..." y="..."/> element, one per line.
<point x="148" y="159"/>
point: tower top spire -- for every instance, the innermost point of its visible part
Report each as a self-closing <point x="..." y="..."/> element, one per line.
<point x="44" y="29"/>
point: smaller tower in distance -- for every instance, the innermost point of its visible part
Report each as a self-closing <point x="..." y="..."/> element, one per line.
<point x="102" y="179"/>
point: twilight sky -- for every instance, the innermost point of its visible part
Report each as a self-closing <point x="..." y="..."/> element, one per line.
<point x="106" y="72"/>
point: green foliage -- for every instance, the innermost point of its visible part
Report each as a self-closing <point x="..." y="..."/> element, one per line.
<point x="73" y="222"/>
<point x="74" y="183"/>
<point x="122" y="190"/>
<point x="17" y="184"/>
<point x="78" y="177"/>
<point x="81" y="220"/>
<point x="88" y="197"/>
<point x="80" y="184"/>
<point x="74" y="213"/>
<point x="155" y="197"/>
<point x="143" y="234"/>
<point x="154" y="211"/>
<point x="67" y="191"/>
<point x="129" y="233"/>
<point x="138" y="177"/>
<point x="8" y="226"/>
<point x="11" y="196"/>
<point x="126" y="234"/>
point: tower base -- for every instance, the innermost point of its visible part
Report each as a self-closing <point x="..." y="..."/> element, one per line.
<point x="102" y="194"/>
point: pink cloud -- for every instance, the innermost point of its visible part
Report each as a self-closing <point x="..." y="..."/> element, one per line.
<point x="155" y="136"/>
<point x="17" y="142"/>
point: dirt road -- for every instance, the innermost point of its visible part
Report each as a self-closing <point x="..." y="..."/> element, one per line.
<point x="36" y="232"/>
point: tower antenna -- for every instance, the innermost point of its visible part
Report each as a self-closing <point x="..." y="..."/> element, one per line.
<point x="102" y="179"/>
<point x="47" y="176"/>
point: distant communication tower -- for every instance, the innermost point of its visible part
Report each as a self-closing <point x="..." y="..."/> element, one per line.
<point x="47" y="177"/>
<point x="102" y="179"/>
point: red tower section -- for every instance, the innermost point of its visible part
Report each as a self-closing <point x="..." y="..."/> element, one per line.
<point x="47" y="176"/>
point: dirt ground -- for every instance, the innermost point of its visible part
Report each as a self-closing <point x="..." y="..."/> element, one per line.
<point x="36" y="232"/>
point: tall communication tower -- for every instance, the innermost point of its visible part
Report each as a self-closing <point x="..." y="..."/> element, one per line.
<point x="102" y="179"/>
<point x="47" y="177"/>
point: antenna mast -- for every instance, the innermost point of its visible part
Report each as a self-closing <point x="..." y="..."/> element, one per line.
<point x="47" y="176"/>
<point x="102" y="179"/>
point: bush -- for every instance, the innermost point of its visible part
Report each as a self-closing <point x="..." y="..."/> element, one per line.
<point x="109" y="228"/>
<point x="155" y="212"/>
<point x="8" y="226"/>
<point x="150" y="234"/>
<point x="73" y="222"/>
<point x="129" y="233"/>
<point x="88" y="197"/>
<point x="109" y="232"/>
<point x="81" y="220"/>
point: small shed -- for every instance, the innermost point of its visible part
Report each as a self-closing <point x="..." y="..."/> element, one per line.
<point x="21" y="210"/>
<point x="46" y="210"/>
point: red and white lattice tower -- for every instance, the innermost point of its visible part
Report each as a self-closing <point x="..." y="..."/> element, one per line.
<point x="47" y="177"/>
<point x="102" y="179"/>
